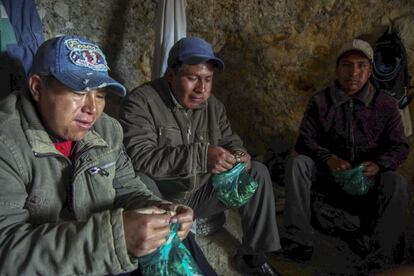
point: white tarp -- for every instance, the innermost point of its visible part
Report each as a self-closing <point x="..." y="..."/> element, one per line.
<point x="171" y="25"/>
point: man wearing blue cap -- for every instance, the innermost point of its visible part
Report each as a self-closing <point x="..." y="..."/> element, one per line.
<point x="178" y="133"/>
<point x="71" y="203"/>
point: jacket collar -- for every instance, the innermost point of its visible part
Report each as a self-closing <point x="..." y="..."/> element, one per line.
<point x="339" y="97"/>
<point x="39" y="139"/>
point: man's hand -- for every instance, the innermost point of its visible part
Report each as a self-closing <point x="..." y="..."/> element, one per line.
<point x="145" y="230"/>
<point x="219" y="159"/>
<point x="337" y="164"/>
<point x="246" y="158"/>
<point x="370" y="168"/>
<point x="182" y="215"/>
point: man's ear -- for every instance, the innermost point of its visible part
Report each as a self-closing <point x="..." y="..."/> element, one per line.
<point x="170" y="75"/>
<point x="35" y="86"/>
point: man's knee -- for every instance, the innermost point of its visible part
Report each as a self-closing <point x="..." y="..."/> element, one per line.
<point x="260" y="169"/>
<point x="261" y="174"/>
<point x="394" y="184"/>
<point x="301" y="163"/>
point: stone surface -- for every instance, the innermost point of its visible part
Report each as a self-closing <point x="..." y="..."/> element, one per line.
<point x="123" y="28"/>
<point x="221" y="246"/>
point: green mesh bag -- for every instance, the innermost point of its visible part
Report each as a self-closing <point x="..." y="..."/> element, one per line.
<point x="234" y="187"/>
<point x="353" y="181"/>
<point x="171" y="259"/>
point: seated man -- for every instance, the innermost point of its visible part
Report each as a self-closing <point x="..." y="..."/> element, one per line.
<point x="348" y="124"/>
<point x="70" y="201"/>
<point x="178" y="133"/>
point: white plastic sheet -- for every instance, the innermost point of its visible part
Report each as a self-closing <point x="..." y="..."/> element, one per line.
<point x="171" y="26"/>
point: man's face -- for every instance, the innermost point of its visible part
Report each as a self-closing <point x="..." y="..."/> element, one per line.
<point x="66" y="114"/>
<point x="353" y="71"/>
<point x="192" y="84"/>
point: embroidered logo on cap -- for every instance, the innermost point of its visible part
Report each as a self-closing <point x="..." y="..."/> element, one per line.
<point x="86" y="55"/>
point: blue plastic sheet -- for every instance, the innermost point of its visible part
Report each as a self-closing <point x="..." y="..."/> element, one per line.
<point x="234" y="187"/>
<point x="353" y="181"/>
<point x="171" y="259"/>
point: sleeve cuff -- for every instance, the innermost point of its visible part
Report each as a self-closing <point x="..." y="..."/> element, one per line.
<point x="385" y="165"/>
<point x="127" y="262"/>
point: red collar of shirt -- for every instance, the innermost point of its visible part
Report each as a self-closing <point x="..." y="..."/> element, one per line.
<point x="64" y="147"/>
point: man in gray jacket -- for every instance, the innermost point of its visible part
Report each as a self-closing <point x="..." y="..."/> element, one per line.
<point x="71" y="203"/>
<point x="178" y="133"/>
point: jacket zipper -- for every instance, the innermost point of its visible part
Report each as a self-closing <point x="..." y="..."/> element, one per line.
<point x="188" y="127"/>
<point x="87" y="161"/>
<point x="51" y="155"/>
<point x="351" y="130"/>
<point x="70" y="189"/>
<point x="188" y="142"/>
<point x="78" y="172"/>
<point x="101" y="170"/>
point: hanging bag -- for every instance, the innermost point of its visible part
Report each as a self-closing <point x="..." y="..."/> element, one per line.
<point x="390" y="72"/>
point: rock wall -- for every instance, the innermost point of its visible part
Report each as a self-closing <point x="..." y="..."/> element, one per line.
<point x="277" y="53"/>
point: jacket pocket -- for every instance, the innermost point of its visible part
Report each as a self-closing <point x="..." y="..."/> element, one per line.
<point x="102" y="170"/>
<point x="169" y="136"/>
<point x="100" y="179"/>
<point x="202" y="136"/>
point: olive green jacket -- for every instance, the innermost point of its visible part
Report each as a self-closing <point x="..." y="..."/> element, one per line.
<point x="59" y="217"/>
<point x="169" y="142"/>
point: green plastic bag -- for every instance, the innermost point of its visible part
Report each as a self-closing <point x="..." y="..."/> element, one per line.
<point x="353" y="181"/>
<point x="171" y="259"/>
<point x="234" y="187"/>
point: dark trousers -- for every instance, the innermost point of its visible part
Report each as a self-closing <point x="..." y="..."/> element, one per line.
<point x="258" y="216"/>
<point x="382" y="211"/>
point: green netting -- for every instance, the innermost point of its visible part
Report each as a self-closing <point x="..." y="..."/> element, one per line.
<point x="234" y="187"/>
<point x="353" y="181"/>
<point x="171" y="259"/>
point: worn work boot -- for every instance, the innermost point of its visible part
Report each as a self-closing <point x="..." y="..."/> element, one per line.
<point x="254" y="265"/>
<point x="295" y="251"/>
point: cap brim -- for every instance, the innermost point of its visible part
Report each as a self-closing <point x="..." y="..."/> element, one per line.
<point x="351" y="49"/>
<point x="86" y="81"/>
<point x="200" y="59"/>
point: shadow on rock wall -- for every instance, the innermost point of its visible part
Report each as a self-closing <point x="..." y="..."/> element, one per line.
<point x="112" y="45"/>
<point x="12" y="76"/>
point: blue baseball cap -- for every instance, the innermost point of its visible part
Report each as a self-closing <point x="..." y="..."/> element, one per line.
<point x="192" y="50"/>
<point x="76" y="62"/>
